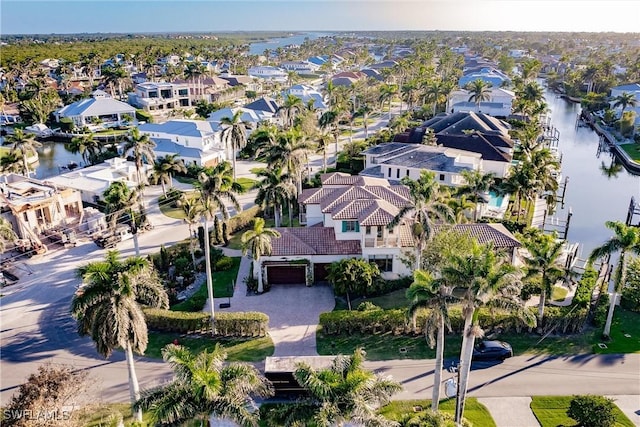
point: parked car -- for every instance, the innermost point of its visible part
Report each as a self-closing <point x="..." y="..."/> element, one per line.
<point x="492" y="350"/>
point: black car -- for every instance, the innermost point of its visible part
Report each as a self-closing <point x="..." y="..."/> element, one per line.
<point x="492" y="350"/>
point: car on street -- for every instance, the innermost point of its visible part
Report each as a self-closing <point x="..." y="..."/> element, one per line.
<point x="492" y="350"/>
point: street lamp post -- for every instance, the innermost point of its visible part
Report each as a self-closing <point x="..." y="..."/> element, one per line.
<point x="207" y="263"/>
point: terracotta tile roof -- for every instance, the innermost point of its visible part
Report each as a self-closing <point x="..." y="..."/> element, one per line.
<point x="340" y="178"/>
<point x="312" y="241"/>
<point x="379" y="212"/>
<point x="486" y="233"/>
<point x="316" y="195"/>
<point x="351" y="209"/>
<point x="406" y="237"/>
<point x="347" y="194"/>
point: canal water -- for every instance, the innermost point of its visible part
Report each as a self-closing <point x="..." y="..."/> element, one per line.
<point x="592" y="196"/>
<point x="258" y="48"/>
<point x="53" y="158"/>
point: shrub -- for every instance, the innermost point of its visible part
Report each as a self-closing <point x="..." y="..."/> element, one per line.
<point x="600" y="313"/>
<point x="145" y="116"/>
<point x="592" y="411"/>
<point x="630" y="298"/>
<point x="585" y="287"/>
<point x="66" y="124"/>
<point x="382" y="286"/>
<point x="182" y="265"/>
<point x="176" y="321"/>
<point x="241" y="324"/>
<point x="368" y="306"/>
<point x="223" y="264"/>
<point x="243" y="220"/>
<point x="252" y="283"/>
<point x="172" y="197"/>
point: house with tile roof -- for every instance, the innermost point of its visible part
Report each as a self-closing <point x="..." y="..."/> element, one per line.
<point x="196" y="142"/>
<point x="632" y="88"/>
<point x="345" y="218"/>
<point x="100" y="108"/>
<point x="470" y="132"/>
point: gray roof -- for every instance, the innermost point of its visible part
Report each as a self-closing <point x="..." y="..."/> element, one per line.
<point x="488" y="233"/>
<point x="164" y="145"/>
<point x="198" y="128"/>
<point x="387" y="148"/>
<point x="96" y="107"/>
<point x="263" y="104"/>
<point x="373" y="171"/>
<point x="426" y="157"/>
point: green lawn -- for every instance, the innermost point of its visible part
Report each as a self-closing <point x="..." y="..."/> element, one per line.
<point x="222" y="285"/>
<point x="551" y="411"/>
<point x="185" y="180"/>
<point x="559" y="293"/>
<point x="238" y="349"/>
<point x="474" y="412"/>
<point x="176" y="212"/>
<point x="107" y="415"/>
<point x="246" y="183"/>
<point x="633" y="150"/>
<point x="395" y="299"/>
<point x="625" y="323"/>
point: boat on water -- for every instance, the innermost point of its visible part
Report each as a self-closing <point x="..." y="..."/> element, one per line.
<point x="40" y="130"/>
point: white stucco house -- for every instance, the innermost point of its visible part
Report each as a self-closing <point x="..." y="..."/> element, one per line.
<point x="632" y="88"/>
<point x="194" y="141"/>
<point x="498" y="105"/>
<point x="346" y="218"/>
<point x="306" y="93"/>
<point x="268" y="72"/>
<point x="394" y="161"/>
<point x="154" y="96"/>
<point x="101" y="110"/>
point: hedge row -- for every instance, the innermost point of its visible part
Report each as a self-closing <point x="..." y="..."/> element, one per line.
<point x="243" y="220"/>
<point x="241" y="324"/>
<point x="234" y="324"/>
<point x="585" y="287"/>
<point x="396" y="321"/>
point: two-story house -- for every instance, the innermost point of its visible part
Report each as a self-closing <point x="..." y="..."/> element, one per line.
<point x="196" y="142"/>
<point x="153" y="96"/>
<point x="347" y="217"/>
<point x="498" y="105"/>
<point x="98" y="112"/>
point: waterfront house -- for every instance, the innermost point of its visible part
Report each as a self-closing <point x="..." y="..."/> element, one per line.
<point x="92" y="181"/>
<point x="35" y="207"/>
<point x="300" y="67"/>
<point x="99" y="111"/>
<point x="268" y="72"/>
<point x="632" y="88"/>
<point x="154" y="97"/>
<point x="487" y="74"/>
<point x="194" y="141"/>
<point x="498" y="105"/>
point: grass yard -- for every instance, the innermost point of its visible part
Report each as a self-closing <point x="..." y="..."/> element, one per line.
<point x="185" y="180"/>
<point x="246" y="183"/>
<point x="633" y="150"/>
<point x="221" y="286"/>
<point x="559" y="293"/>
<point x="476" y="413"/>
<point x="395" y="299"/>
<point x="551" y="411"/>
<point x="625" y="334"/>
<point x="176" y="212"/>
<point x="238" y="349"/>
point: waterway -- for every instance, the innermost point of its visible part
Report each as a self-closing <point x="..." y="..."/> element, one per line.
<point x="258" y="48"/>
<point x="53" y="157"/>
<point x="593" y="197"/>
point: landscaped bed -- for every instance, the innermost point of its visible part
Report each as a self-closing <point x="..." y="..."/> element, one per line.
<point x="476" y="413"/>
<point x="551" y="411"/>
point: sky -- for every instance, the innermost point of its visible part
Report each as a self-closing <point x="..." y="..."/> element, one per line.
<point x="134" y="16"/>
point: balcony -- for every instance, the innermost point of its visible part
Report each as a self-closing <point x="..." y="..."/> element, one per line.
<point x="381" y="242"/>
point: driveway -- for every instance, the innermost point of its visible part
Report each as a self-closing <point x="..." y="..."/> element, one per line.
<point x="293" y="310"/>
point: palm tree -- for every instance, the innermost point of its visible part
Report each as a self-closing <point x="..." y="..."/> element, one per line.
<point x="109" y="308"/>
<point x="425" y="292"/>
<point x="257" y="242"/>
<point x="215" y="186"/>
<point x="121" y="203"/>
<point x="323" y="140"/>
<point x="426" y="207"/>
<point x="329" y="122"/>
<point x="476" y="186"/>
<point x="290" y="152"/>
<point x="274" y="190"/>
<point x="87" y="146"/>
<point x="203" y="385"/>
<point x="234" y="135"/>
<point x="291" y="107"/>
<point x="480" y="277"/>
<point x="364" y="112"/>
<point x="12" y="162"/>
<point x="387" y="92"/>
<point x="626" y="239"/>
<point x="25" y="144"/>
<point x="480" y="91"/>
<point x="192" y="213"/>
<point x="141" y="146"/>
<point x="346" y="391"/>
<point x="542" y="262"/>
<point x="624" y="100"/>
<point x="164" y="168"/>
<point x="7" y="235"/>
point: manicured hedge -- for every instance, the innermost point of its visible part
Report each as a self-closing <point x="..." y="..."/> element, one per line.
<point x="234" y="324"/>
<point x="176" y="321"/>
<point x="585" y="287"/>
<point x="241" y="324"/>
<point x="243" y="220"/>
<point x="144" y="116"/>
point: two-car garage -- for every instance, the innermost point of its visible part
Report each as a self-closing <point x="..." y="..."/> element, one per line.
<point x="295" y="274"/>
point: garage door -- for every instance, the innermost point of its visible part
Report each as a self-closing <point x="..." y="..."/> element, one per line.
<point x="286" y="275"/>
<point x="320" y="272"/>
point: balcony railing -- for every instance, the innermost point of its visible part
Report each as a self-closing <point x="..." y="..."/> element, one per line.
<point x="380" y="242"/>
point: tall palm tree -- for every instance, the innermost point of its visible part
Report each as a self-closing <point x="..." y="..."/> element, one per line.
<point x="624" y="100"/>
<point x="364" y="111"/>
<point x="234" y="135"/>
<point x="476" y="186"/>
<point x="216" y="186"/>
<point x="109" y="308"/>
<point x="480" y="277"/>
<point x="346" y="391"/>
<point x="479" y="91"/>
<point x="626" y="240"/>
<point x="203" y="385"/>
<point x="323" y="139"/>
<point x="87" y="146"/>
<point x="387" y="92"/>
<point x="425" y="292"/>
<point x="274" y="190"/>
<point x="164" y="168"/>
<point x="25" y="144"/>
<point x="290" y="152"/>
<point x="192" y="213"/>
<point x="542" y="262"/>
<point x="257" y="242"/>
<point x="329" y="122"/>
<point x="427" y="207"/>
<point x="141" y="147"/>
<point x="291" y="107"/>
<point x="121" y="207"/>
<point x="7" y="235"/>
<point x="12" y="162"/>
